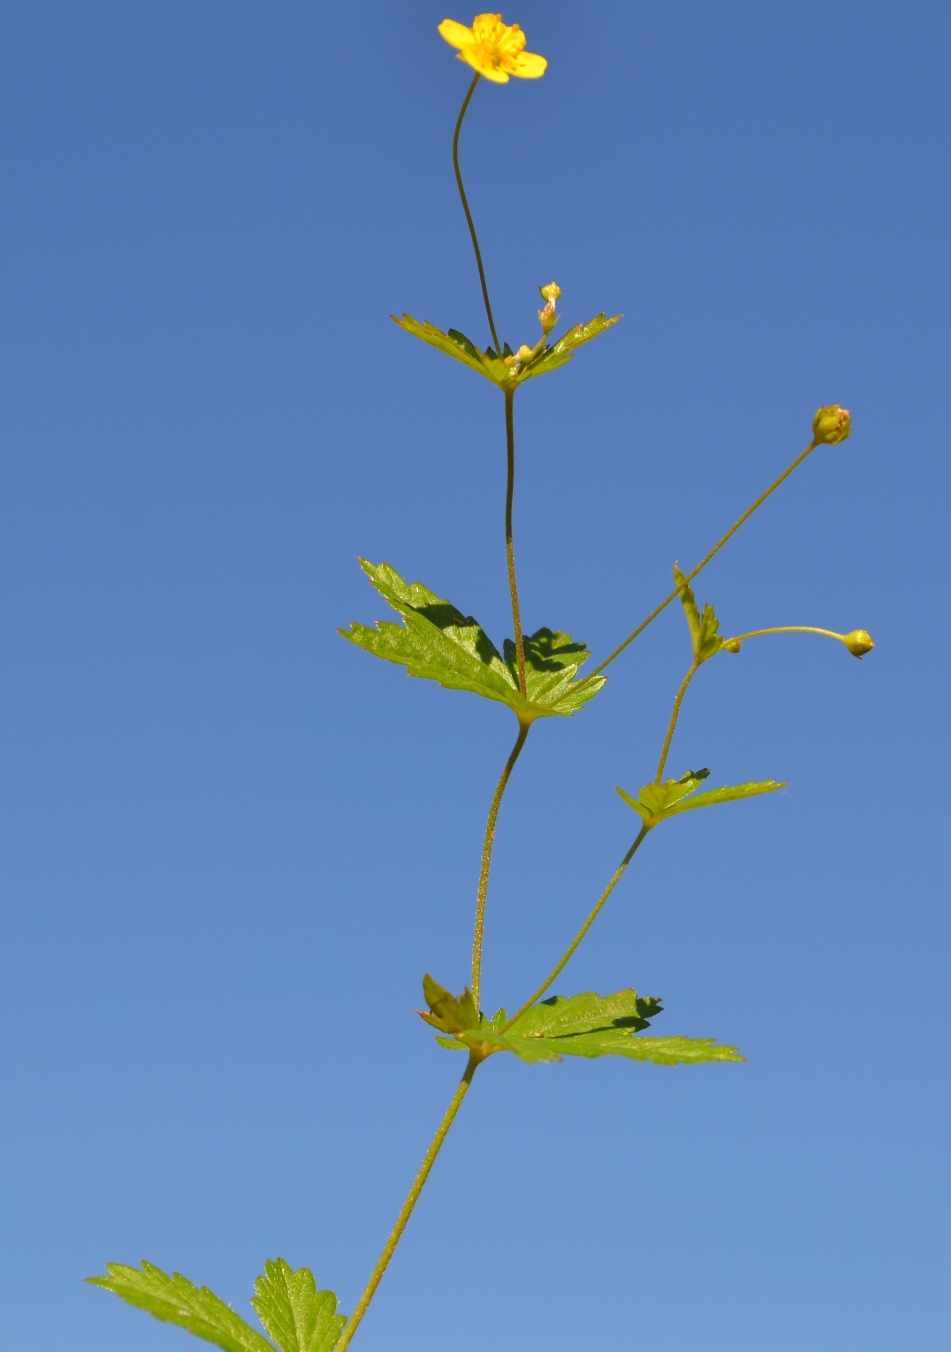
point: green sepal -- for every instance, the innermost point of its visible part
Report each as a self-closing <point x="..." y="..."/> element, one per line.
<point x="655" y="802"/>
<point x="175" y="1300"/>
<point x="507" y="375"/>
<point x="448" y="1013"/>
<point x="438" y="643"/>
<point x="587" y="1025"/>
<point x="297" y="1316"/>
<point x="704" y="627"/>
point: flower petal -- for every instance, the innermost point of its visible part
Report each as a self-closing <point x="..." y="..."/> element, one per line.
<point x="476" y="58"/>
<point x="527" y="65"/>
<point x="456" y="34"/>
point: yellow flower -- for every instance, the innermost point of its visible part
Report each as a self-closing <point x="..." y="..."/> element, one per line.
<point x="493" y="48"/>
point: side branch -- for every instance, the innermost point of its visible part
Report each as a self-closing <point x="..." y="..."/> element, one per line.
<point x="707" y="557"/>
<point x="570" y="951"/>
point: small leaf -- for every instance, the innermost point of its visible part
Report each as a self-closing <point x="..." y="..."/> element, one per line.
<point x="507" y="375"/>
<point x="703" y="628"/>
<point x="565" y="348"/>
<point x="587" y="1025"/>
<point x="176" y="1301"/>
<point x="450" y="1014"/>
<point x="297" y="1316"/>
<point x="439" y="643"/>
<point x="655" y="802"/>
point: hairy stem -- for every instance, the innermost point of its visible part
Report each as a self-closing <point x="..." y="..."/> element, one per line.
<point x="509" y="544"/>
<point x="465" y="207"/>
<point x="487" y="860"/>
<point x="679" y="699"/>
<point x="569" y="953"/>
<point x="706" y="559"/>
<point x="407" y="1207"/>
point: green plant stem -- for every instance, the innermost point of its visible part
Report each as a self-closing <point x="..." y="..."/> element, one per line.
<point x="706" y="559"/>
<point x="465" y="207"/>
<point x="679" y="699"/>
<point x="509" y="544"/>
<point x="407" y="1208"/>
<point x="786" y="629"/>
<point x="487" y="859"/>
<point x="569" y="953"/>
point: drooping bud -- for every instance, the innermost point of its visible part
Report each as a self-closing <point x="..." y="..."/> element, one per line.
<point x="732" y="645"/>
<point x="831" y="424"/>
<point x="859" y="642"/>
<point x="547" y="317"/>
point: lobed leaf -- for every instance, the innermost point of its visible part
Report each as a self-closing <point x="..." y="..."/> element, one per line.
<point x="655" y="802"/>
<point x="438" y="643"/>
<point x="175" y="1300"/>
<point x="448" y="1013"/>
<point x="587" y="1025"/>
<point x="504" y="370"/>
<point x="297" y="1316"/>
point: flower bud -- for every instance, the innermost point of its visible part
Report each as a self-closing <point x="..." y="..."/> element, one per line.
<point x="859" y="642"/>
<point x="524" y="353"/>
<point x="831" y="425"/>
<point x="732" y="645"/>
<point x="547" y="317"/>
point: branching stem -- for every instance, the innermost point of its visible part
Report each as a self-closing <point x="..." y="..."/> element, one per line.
<point x="487" y="859"/>
<point x="706" y="559"/>
<point x="465" y="207"/>
<point x="569" y="952"/>
<point x="407" y="1207"/>
<point x="678" y="700"/>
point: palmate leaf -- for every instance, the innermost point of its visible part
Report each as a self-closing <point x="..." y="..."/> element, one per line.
<point x="704" y="626"/>
<point x="298" y="1317"/>
<point x="504" y="369"/>
<point x="586" y="1025"/>
<point x="437" y="642"/>
<point x="655" y="802"/>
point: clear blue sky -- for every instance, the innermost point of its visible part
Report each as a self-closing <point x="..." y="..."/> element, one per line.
<point x="232" y="844"/>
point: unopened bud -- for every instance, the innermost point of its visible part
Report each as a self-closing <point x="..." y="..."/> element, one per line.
<point x="859" y="642"/>
<point x="732" y="645"/>
<point x="831" y="424"/>
<point x="547" y="317"/>
<point x="524" y="353"/>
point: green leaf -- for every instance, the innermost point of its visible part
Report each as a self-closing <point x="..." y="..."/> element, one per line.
<point x="506" y="374"/>
<point x="587" y="1025"/>
<point x="457" y="345"/>
<point x="297" y="1316"/>
<point x="438" y="643"/>
<point x="655" y="802"/>
<point x="565" y="348"/>
<point x="448" y="1013"/>
<point x="703" y="628"/>
<point x="176" y="1301"/>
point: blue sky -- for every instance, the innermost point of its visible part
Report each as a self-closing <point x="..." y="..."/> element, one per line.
<point x="232" y="844"/>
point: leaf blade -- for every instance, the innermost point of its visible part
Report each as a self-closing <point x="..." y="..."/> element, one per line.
<point x="297" y="1316"/>
<point x="175" y="1300"/>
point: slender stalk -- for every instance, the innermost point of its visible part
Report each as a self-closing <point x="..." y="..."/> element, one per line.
<point x="465" y="207"/>
<point x="509" y="545"/>
<point x="487" y="859"/>
<point x="407" y="1208"/>
<point x="706" y="559"/>
<point x="559" y="968"/>
<point x="679" y="699"/>
<point x="787" y="629"/>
